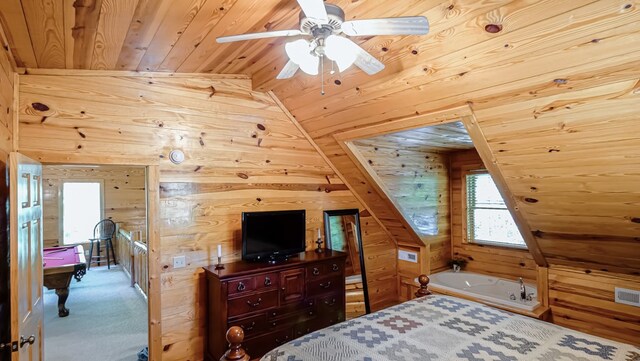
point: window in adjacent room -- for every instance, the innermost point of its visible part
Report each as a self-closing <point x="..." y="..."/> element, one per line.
<point x="81" y="210"/>
<point x="488" y="219"/>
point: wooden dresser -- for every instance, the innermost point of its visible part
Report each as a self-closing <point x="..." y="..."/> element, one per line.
<point x="274" y="303"/>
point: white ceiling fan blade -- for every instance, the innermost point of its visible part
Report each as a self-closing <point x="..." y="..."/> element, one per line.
<point x="288" y="71"/>
<point x="254" y="36"/>
<point x="408" y="25"/>
<point x="314" y="10"/>
<point x="365" y="61"/>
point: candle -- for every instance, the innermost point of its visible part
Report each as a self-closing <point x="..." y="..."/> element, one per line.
<point x="319" y="236"/>
<point x="219" y="250"/>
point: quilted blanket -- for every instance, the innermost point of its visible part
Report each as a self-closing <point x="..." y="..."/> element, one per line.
<point x="448" y="328"/>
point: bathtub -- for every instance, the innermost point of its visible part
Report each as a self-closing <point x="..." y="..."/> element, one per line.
<point x="478" y="287"/>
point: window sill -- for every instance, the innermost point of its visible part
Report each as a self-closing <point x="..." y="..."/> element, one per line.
<point x="498" y="245"/>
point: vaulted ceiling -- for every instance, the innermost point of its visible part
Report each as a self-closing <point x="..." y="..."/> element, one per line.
<point x="555" y="92"/>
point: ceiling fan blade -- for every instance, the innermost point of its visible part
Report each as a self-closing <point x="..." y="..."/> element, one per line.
<point x="408" y="25"/>
<point x="314" y="10"/>
<point x="365" y="61"/>
<point x="254" y="36"/>
<point x="288" y="71"/>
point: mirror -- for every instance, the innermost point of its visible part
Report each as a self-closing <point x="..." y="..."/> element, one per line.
<point x="342" y="233"/>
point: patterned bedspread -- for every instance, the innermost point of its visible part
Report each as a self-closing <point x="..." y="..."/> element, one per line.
<point x="448" y="328"/>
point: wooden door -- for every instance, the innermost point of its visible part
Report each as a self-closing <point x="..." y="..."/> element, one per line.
<point x="292" y="285"/>
<point x="25" y="187"/>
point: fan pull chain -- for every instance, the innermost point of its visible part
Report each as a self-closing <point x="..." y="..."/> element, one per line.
<point x="322" y="74"/>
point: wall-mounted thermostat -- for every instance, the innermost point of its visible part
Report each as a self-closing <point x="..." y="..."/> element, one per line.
<point x="408" y="256"/>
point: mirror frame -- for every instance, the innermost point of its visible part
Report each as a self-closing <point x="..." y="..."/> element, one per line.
<point x="327" y="236"/>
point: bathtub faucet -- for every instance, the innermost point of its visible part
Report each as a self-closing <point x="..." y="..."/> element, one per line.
<point x="523" y="290"/>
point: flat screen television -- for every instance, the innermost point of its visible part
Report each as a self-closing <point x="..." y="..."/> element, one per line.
<point x="273" y="236"/>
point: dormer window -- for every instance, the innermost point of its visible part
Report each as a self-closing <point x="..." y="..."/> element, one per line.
<point x="488" y="219"/>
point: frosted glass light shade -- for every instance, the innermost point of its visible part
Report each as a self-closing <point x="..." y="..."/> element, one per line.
<point x="299" y="51"/>
<point x="340" y="50"/>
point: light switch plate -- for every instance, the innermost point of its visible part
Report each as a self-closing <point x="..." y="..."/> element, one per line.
<point x="408" y="256"/>
<point x="179" y="262"/>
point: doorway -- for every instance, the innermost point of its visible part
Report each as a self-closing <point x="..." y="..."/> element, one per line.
<point x="108" y="302"/>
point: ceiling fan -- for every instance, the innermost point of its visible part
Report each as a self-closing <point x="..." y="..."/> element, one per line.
<point x="324" y="26"/>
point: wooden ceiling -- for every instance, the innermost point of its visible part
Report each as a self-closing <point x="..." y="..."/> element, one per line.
<point x="555" y="92"/>
<point x="437" y="138"/>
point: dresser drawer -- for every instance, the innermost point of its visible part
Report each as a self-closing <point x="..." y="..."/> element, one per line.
<point x="239" y="286"/>
<point x="250" y="325"/>
<point x="331" y="309"/>
<point x="258" y="346"/>
<point x="252" y="303"/>
<point x="325" y="285"/>
<point x="266" y="282"/>
<point x="289" y="309"/>
<point x="324" y="269"/>
<point x="293" y="319"/>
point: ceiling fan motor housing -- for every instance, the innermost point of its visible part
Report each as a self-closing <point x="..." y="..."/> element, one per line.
<point x="334" y="26"/>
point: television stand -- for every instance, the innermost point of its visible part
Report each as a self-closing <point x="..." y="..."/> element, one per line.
<point x="274" y="303"/>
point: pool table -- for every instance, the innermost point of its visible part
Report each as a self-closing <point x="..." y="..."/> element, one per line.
<point x="59" y="265"/>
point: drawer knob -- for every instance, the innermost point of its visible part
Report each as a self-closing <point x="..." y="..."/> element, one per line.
<point x="316" y="271"/>
<point x="248" y="328"/>
<point x="256" y="304"/>
<point x="330" y="303"/>
<point x="326" y="285"/>
<point x="241" y="286"/>
<point x="335" y="267"/>
<point x="267" y="281"/>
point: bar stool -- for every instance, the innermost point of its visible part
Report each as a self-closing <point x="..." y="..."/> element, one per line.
<point x="103" y="231"/>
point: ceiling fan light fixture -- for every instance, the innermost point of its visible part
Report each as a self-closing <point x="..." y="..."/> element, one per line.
<point x="340" y="50"/>
<point x="300" y="52"/>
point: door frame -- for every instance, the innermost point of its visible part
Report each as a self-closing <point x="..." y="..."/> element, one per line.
<point x="152" y="185"/>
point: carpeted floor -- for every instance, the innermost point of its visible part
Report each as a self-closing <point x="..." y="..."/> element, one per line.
<point x="107" y="319"/>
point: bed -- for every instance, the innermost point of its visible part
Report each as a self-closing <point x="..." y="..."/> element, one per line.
<point x="439" y="327"/>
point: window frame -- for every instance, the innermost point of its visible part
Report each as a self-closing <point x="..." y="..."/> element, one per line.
<point x="61" y="206"/>
<point x="465" y="214"/>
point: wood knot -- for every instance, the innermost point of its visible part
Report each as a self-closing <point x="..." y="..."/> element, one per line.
<point x="560" y="81"/>
<point x="242" y="175"/>
<point x="635" y="219"/>
<point x="261" y="127"/>
<point x="531" y="200"/>
<point x="40" y="107"/>
<point x="337" y="82"/>
<point x="493" y="28"/>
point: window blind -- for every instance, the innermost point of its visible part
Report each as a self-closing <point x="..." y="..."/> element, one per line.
<point x="488" y="219"/>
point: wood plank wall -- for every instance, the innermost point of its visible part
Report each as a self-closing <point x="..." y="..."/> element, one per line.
<point x="497" y="261"/>
<point x="417" y="181"/>
<point x="6" y="98"/>
<point x="123" y="194"/>
<point x="583" y="299"/>
<point x="6" y="146"/>
<point x="242" y="154"/>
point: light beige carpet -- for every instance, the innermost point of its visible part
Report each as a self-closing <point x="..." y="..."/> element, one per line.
<point x="107" y="319"/>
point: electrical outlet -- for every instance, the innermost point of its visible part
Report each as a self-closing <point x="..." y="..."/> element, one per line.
<point x="179" y="262"/>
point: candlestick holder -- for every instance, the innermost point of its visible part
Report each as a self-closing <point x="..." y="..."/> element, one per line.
<point x="219" y="266"/>
<point x="319" y="242"/>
